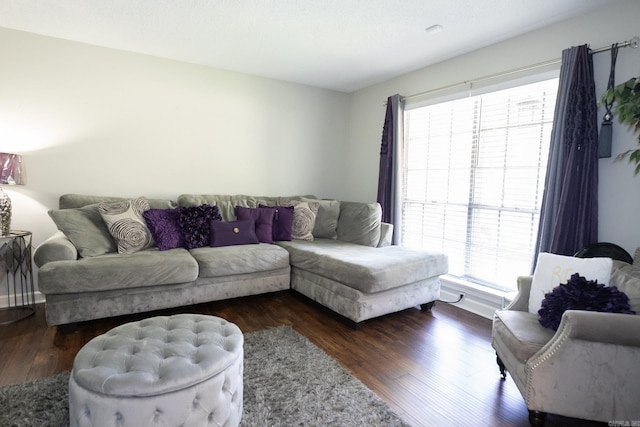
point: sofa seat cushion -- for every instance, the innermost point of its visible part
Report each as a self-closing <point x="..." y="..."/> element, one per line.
<point x="111" y="271"/>
<point x="520" y="331"/>
<point x="367" y="269"/>
<point x="240" y="259"/>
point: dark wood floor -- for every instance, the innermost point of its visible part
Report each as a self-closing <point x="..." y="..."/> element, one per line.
<point x="433" y="368"/>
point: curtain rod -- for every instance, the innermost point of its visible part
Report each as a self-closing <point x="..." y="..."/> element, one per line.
<point x="633" y="42"/>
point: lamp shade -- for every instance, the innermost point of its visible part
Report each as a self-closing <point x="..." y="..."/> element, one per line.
<point x="12" y="171"/>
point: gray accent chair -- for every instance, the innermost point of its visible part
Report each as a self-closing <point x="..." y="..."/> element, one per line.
<point x="589" y="368"/>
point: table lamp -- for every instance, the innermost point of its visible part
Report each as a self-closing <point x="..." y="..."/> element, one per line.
<point x="12" y="172"/>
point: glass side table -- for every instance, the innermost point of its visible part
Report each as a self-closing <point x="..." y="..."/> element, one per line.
<point x="16" y="276"/>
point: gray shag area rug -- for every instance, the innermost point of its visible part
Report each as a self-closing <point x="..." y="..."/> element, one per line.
<point x="288" y="381"/>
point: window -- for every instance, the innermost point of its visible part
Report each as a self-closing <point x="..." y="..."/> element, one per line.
<point x="473" y="179"/>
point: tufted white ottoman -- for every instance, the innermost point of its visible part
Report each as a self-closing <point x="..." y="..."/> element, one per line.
<point x="182" y="370"/>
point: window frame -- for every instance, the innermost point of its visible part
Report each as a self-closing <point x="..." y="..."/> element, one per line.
<point x="471" y="205"/>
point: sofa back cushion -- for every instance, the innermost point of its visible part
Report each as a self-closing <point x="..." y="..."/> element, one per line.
<point x="70" y="201"/>
<point x="359" y="223"/>
<point x="226" y="203"/>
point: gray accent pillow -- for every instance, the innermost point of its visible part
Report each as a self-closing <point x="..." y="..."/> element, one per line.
<point x="326" y="226"/>
<point x="85" y="229"/>
<point x="360" y="223"/>
<point x="304" y="218"/>
<point x="126" y="224"/>
<point x="626" y="277"/>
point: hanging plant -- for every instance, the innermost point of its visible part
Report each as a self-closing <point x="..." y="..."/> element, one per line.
<point x="626" y="100"/>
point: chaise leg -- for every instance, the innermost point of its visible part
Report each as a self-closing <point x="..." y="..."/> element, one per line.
<point x="503" y="369"/>
<point x="537" y="418"/>
<point x="357" y="326"/>
<point x="427" y="306"/>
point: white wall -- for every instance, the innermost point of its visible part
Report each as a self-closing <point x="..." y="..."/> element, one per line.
<point x="99" y="121"/>
<point x="91" y="120"/>
<point x="619" y="190"/>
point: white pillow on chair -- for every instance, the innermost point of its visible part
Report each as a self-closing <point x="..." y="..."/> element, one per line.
<point x="552" y="270"/>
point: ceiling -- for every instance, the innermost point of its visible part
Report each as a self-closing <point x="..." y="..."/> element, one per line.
<point x="343" y="45"/>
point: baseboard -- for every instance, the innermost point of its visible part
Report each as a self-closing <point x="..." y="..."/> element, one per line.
<point x="477" y="299"/>
<point x="39" y="297"/>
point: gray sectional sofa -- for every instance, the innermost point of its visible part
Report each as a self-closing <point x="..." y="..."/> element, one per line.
<point x="349" y="267"/>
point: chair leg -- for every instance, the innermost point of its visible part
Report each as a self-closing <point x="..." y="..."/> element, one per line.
<point x="503" y="369"/>
<point x="537" y="418"/>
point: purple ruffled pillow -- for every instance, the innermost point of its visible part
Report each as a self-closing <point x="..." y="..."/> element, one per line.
<point x="581" y="294"/>
<point x="165" y="228"/>
<point x="282" y="222"/>
<point x="263" y="219"/>
<point x="195" y="223"/>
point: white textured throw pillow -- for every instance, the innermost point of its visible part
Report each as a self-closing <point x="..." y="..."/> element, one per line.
<point x="126" y="224"/>
<point x="552" y="270"/>
<point x="304" y="218"/>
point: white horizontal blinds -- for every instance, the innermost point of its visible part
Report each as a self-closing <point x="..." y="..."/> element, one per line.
<point x="473" y="180"/>
<point x="439" y="146"/>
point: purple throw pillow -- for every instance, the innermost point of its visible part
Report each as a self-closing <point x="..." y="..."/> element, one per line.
<point x="195" y="223"/>
<point x="282" y="222"/>
<point x="164" y="227"/>
<point x="263" y="219"/>
<point x="241" y="232"/>
<point x="581" y="294"/>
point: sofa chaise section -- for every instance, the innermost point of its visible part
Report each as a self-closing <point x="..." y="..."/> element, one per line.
<point x="361" y="282"/>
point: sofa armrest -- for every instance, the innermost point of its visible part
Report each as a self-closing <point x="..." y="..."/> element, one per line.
<point x="386" y="234"/>
<point x="56" y="248"/>
<point x="612" y="328"/>
<point x="521" y="301"/>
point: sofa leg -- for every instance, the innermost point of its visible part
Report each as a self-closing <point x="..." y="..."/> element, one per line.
<point x="427" y="306"/>
<point x="503" y="369"/>
<point x="537" y="418"/>
<point x="68" y="328"/>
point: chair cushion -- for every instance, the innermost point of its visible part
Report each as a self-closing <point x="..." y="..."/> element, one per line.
<point x="521" y="332"/>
